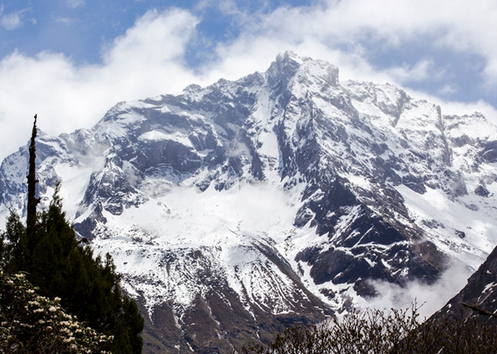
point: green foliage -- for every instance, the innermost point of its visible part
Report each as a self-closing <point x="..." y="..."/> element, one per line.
<point x="30" y="323"/>
<point x="378" y="332"/>
<point x="13" y="244"/>
<point x="88" y="286"/>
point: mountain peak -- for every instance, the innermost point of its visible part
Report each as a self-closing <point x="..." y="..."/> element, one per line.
<point x="289" y="66"/>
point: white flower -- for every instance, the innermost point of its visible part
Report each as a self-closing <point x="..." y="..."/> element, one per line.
<point x="52" y="309"/>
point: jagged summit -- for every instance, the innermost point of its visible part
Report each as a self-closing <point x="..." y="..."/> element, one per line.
<point x="278" y="198"/>
<point x="290" y="68"/>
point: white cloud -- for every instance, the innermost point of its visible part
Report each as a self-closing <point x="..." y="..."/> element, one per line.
<point x="458" y="108"/>
<point x="75" y="3"/>
<point x="448" y="89"/>
<point x="155" y="39"/>
<point x="431" y="298"/>
<point x="421" y="71"/>
<point x="64" y="20"/>
<point x="144" y="62"/>
<point x="11" y="21"/>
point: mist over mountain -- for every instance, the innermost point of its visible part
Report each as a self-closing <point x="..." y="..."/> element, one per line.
<point x="284" y="197"/>
<point x="478" y="299"/>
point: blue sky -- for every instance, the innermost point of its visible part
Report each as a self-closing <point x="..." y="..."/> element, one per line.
<point x="71" y="60"/>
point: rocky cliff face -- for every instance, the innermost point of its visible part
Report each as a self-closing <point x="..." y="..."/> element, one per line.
<point x="478" y="299"/>
<point x="236" y="209"/>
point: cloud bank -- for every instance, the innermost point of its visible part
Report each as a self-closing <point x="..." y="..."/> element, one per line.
<point x="145" y="61"/>
<point x="429" y="298"/>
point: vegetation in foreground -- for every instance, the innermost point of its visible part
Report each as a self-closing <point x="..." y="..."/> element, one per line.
<point x="379" y="332"/>
<point x="54" y="293"/>
<point x="31" y="323"/>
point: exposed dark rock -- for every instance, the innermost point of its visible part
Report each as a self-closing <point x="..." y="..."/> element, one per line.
<point x="482" y="191"/>
<point x="489" y="152"/>
<point x="478" y="299"/>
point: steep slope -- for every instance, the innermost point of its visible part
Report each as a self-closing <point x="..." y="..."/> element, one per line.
<point x="478" y="299"/>
<point x="235" y="209"/>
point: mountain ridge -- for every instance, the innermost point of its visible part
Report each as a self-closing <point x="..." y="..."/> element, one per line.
<point x="281" y="197"/>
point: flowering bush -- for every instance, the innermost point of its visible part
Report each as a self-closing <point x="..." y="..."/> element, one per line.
<point x="30" y="323"/>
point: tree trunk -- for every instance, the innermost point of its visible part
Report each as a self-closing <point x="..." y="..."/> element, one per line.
<point x="32" y="181"/>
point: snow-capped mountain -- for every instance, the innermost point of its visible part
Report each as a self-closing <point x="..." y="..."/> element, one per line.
<point x="283" y="197"/>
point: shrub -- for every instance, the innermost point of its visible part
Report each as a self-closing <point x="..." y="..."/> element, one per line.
<point x="379" y="332"/>
<point x="31" y="323"/>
